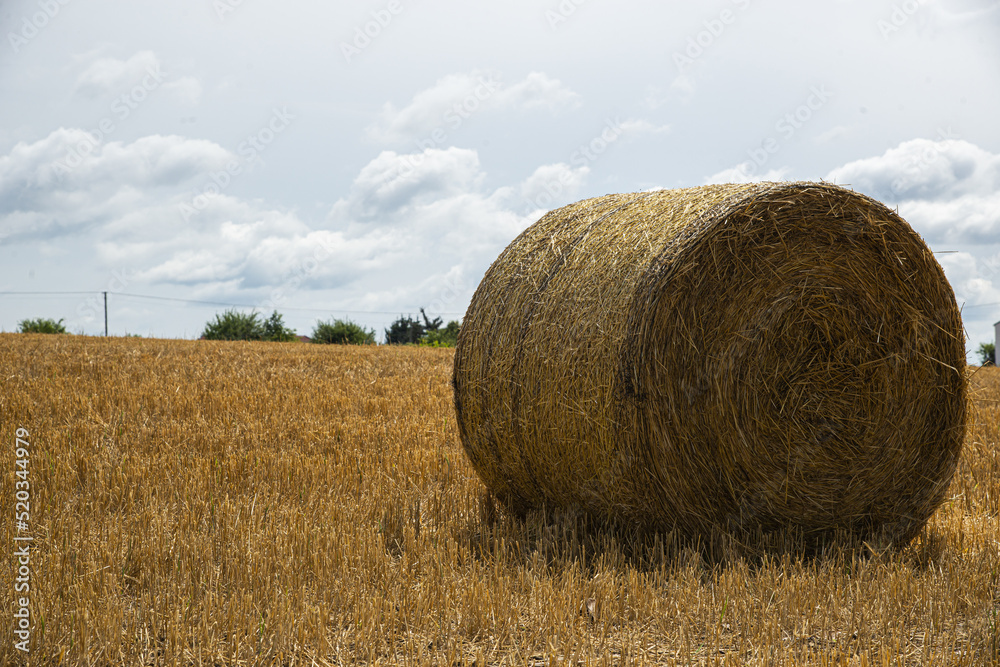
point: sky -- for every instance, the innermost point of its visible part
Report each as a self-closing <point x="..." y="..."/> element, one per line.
<point x="364" y="160"/>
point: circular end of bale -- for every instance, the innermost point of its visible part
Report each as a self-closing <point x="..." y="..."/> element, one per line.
<point x="745" y="357"/>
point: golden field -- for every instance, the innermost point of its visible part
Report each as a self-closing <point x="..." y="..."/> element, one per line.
<point x="210" y="503"/>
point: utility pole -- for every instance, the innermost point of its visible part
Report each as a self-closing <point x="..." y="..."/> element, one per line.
<point x="105" y="314"/>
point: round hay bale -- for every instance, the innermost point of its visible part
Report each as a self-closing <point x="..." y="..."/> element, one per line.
<point x="745" y="357"/>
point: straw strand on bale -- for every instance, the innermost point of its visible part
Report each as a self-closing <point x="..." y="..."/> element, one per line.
<point x="742" y="357"/>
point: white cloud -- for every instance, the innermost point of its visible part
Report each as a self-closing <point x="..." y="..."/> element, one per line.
<point x="949" y="190"/>
<point x="186" y="90"/>
<point x="414" y="228"/>
<point x="537" y="91"/>
<point x="553" y="184"/>
<point x="636" y="127"/>
<point x="69" y="180"/>
<point x="110" y="75"/>
<point x="439" y="193"/>
<point x="453" y="99"/>
<point x="393" y="182"/>
<point x="924" y="169"/>
<point x="970" y="218"/>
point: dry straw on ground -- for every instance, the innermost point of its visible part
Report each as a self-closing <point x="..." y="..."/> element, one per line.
<point x="266" y="504"/>
<point x="743" y="357"/>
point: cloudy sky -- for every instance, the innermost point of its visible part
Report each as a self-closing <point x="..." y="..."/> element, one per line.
<point x="366" y="159"/>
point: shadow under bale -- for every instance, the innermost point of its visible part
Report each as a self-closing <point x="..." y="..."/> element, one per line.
<point x="738" y="358"/>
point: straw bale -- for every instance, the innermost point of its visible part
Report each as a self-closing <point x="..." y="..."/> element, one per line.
<point x="744" y="357"/>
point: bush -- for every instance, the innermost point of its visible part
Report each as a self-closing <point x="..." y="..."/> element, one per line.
<point x="234" y="325"/>
<point x="987" y="354"/>
<point x="42" y="325"/>
<point x="342" y="332"/>
<point x="446" y="337"/>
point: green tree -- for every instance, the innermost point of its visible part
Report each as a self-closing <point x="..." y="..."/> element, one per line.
<point x="429" y="324"/>
<point x="42" y="325"/>
<point x="275" y="329"/>
<point x="987" y="354"/>
<point x="405" y="330"/>
<point x="342" y="332"/>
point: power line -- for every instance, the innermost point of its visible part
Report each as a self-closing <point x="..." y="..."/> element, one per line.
<point x="219" y="303"/>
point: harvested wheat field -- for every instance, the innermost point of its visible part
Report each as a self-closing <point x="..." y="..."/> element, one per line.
<point x="202" y="503"/>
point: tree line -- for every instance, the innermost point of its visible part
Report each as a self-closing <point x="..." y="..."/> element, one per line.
<point x="235" y="325"/>
<point x="405" y="330"/>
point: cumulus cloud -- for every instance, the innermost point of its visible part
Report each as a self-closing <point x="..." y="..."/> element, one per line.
<point x="454" y="98"/>
<point x="437" y="194"/>
<point x="975" y="279"/>
<point x="71" y="180"/>
<point x="109" y="75"/>
<point x="112" y="76"/>
<point x="948" y="189"/>
<point x="923" y="169"/>
<point x="553" y="184"/>
<point x="635" y="127"/>
<point x="393" y="182"/>
<point x="537" y="91"/>
<point x="186" y="90"/>
<point x="414" y="228"/>
<point x="969" y="218"/>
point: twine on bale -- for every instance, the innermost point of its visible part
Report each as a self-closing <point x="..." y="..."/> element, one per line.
<point x="743" y="357"/>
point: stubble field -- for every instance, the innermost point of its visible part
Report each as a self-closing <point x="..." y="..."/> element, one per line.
<point x="208" y="503"/>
